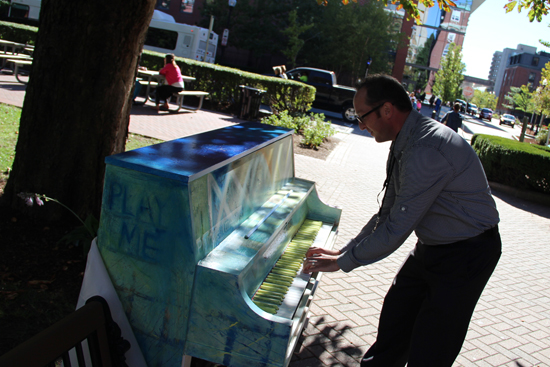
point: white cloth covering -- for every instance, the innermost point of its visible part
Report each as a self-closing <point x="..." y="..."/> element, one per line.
<point x="97" y="283"/>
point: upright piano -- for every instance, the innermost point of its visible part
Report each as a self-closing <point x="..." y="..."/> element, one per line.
<point x="203" y="239"/>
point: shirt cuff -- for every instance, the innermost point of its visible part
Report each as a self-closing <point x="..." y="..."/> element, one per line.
<point x="345" y="260"/>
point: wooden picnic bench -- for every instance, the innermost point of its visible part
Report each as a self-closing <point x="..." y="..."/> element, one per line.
<point x="18" y="63"/>
<point x="183" y="93"/>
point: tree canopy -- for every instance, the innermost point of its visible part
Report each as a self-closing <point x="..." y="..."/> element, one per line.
<point x="450" y="75"/>
<point x="541" y="95"/>
<point x="536" y="8"/>
<point x="519" y="98"/>
<point x="484" y="99"/>
<point x="335" y="37"/>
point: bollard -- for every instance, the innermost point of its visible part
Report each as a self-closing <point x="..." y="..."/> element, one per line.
<point x="433" y="114"/>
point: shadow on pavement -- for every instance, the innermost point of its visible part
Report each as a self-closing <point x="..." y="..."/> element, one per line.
<point x="521" y="203"/>
<point x="316" y="344"/>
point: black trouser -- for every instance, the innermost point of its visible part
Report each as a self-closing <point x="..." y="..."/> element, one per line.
<point x="165" y="91"/>
<point x="428" y="308"/>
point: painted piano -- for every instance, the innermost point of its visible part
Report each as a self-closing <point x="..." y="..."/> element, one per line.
<point x="203" y="238"/>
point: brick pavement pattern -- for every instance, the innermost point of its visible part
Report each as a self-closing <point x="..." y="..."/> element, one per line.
<point x="511" y="323"/>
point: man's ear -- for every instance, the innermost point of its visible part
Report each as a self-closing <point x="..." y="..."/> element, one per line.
<point x="387" y="110"/>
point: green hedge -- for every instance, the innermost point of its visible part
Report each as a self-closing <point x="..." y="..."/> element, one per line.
<point x="223" y="85"/>
<point x="221" y="82"/>
<point x="19" y="33"/>
<point x="520" y="165"/>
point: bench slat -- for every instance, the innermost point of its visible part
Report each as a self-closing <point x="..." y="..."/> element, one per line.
<point x="193" y="93"/>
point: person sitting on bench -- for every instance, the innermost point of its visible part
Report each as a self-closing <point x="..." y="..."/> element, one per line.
<point x="174" y="81"/>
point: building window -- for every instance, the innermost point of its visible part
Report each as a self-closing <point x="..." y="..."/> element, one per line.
<point x="163" y="4"/>
<point x="455" y="17"/>
<point x="532" y="77"/>
<point x="187" y="6"/>
<point x="535" y="61"/>
<point x="445" y="50"/>
<point x="451" y="37"/>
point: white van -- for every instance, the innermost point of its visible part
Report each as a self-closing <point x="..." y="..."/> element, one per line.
<point x="24" y="9"/>
<point x="183" y="40"/>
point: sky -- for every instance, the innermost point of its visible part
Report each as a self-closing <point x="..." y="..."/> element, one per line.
<point x="491" y="29"/>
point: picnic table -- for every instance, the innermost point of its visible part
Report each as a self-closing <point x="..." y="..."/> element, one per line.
<point x="13" y="45"/>
<point x="160" y="79"/>
<point x="18" y="63"/>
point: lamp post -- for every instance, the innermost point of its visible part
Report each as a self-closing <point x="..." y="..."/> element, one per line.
<point x="369" y="60"/>
<point x="225" y="35"/>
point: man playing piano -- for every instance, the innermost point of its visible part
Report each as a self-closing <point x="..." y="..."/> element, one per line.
<point x="436" y="187"/>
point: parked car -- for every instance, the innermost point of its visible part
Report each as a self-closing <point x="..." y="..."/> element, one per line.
<point x="486" y="113"/>
<point x="472" y="109"/>
<point x="328" y="94"/>
<point x="507" y="119"/>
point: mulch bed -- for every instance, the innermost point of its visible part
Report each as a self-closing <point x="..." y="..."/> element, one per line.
<point x="39" y="278"/>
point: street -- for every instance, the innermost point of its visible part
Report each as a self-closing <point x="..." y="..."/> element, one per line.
<point x="471" y="125"/>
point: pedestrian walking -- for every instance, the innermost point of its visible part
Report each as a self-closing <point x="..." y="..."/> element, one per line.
<point x="436" y="187"/>
<point x="437" y="108"/>
<point x="453" y="119"/>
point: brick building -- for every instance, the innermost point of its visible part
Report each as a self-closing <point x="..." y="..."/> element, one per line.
<point x="521" y="69"/>
<point x="438" y="30"/>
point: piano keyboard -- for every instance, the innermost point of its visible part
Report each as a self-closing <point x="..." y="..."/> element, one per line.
<point x="274" y="288"/>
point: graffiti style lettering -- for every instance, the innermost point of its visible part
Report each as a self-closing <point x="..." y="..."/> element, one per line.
<point x="140" y="242"/>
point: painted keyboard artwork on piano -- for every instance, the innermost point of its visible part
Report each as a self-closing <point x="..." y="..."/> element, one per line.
<point x="198" y="234"/>
<point x="274" y="288"/>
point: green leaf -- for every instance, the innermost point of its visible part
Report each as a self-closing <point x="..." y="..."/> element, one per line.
<point x="510" y="6"/>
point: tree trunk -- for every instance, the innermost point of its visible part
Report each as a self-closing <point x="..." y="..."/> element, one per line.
<point x="77" y="105"/>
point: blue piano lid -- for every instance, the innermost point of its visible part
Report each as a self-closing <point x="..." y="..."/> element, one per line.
<point x="190" y="157"/>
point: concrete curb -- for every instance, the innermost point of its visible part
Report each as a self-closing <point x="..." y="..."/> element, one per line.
<point x="532" y="196"/>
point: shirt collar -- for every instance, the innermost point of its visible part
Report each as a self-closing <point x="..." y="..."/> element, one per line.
<point x="405" y="133"/>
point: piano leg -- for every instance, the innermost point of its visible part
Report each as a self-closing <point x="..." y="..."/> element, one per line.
<point x="186" y="361"/>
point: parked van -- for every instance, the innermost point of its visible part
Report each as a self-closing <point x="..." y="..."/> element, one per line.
<point x="24" y="9"/>
<point x="167" y="36"/>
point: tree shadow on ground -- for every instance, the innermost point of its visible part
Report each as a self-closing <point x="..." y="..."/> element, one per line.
<point x="312" y="346"/>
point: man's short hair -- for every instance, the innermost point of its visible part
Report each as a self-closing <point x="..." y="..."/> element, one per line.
<point x="456" y="107"/>
<point x="384" y="88"/>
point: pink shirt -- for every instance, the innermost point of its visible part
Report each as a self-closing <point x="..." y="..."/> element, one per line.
<point x="172" y="74"/>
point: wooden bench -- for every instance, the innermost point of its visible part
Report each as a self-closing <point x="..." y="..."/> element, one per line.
<point x="6" y="57"/>
<point x="92" y="323"/>
<point x="183" y="93"/>
<point x="18" y="63"/>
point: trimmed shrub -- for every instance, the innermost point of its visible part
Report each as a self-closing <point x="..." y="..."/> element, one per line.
<point x="314" y="128"/>
<point x="223" y="84"/>
<point x="19" y="33"/>
<point x="520" y="165"/>
<point x="542" y="136"/>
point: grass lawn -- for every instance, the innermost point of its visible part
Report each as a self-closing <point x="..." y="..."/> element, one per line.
<point x="9" y="128"/>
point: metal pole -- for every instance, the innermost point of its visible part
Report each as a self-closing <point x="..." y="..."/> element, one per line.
<point x="369" y="60"/>
<point x="208" y="38"/>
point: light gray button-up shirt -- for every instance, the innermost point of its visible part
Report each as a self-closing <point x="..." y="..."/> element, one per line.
<point x="438" y="189"/>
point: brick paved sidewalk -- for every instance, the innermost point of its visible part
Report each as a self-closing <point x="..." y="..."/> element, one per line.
<point x="511" y="323"/>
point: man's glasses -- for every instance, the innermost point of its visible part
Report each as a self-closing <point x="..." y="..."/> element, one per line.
<point x="360" y="119"/>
